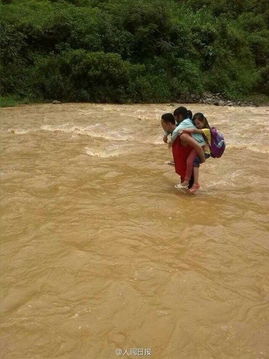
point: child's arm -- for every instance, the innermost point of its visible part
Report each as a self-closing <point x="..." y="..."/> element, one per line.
<point x="193" y="130"/>
<point x="174" y="135"/>
<point x="185" y="125"/>
<point x="187" y="139"/>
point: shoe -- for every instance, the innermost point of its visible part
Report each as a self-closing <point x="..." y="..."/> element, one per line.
<point x="194" y="188"/>
<point x="181" y="186"/>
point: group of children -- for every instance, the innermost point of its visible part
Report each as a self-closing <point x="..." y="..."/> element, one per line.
<point x="193" y="131"/>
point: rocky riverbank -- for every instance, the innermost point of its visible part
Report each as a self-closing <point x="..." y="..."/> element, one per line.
<point x="216" y="99"/>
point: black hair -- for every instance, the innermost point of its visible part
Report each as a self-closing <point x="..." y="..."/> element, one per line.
<point x="183" y="112"/>
<point x="169" y="118"/>
<point x="189" y="114"/>
<point x="200" y="116"/>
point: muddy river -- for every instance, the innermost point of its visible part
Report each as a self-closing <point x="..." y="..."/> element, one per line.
<point x="102" y="258"/>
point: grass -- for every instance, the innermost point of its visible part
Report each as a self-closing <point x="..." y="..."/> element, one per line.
<point x="11" y="101"/>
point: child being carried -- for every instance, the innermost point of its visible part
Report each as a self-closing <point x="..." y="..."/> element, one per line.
<point x="193" y="161"/>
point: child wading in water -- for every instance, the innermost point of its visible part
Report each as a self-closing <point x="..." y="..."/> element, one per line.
<point x="193" y="160"/>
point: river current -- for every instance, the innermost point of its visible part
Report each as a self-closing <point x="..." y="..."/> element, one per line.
<point x="102" y="258"/>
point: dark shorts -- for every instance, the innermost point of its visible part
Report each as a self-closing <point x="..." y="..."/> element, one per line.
<point x="197" y="161"/>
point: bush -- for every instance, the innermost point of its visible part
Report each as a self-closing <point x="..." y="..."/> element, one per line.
<point x="79" y="75"/>
<point x="132" y="50"/>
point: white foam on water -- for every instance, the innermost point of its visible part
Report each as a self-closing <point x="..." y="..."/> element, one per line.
<point x="97" y="153"/>
<point x="263" y="149"/>
<point x="156" y="140"/>
<point x="250" y="147"/>
<point x="96" y="131"/>
<point x="108" y="151"/>
<point x="19" y="131"/>
<point x="62" y="128"/>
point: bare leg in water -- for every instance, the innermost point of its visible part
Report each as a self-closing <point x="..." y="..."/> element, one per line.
<point x="188" y="140"/>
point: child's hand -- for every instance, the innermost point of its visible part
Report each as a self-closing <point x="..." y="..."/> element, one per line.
<point x="165" y="138"/>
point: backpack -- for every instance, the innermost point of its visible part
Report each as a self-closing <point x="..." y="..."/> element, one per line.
<point x="217" y="145"/>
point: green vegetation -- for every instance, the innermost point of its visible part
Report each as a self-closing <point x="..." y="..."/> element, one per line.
<point x="133" y="50"/>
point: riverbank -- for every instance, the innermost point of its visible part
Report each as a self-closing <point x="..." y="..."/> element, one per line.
<point x="219" y="100"/>
<point x="206" y="99"/>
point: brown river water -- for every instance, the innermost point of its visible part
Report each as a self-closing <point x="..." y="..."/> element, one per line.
<point x="102" y="258"/>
